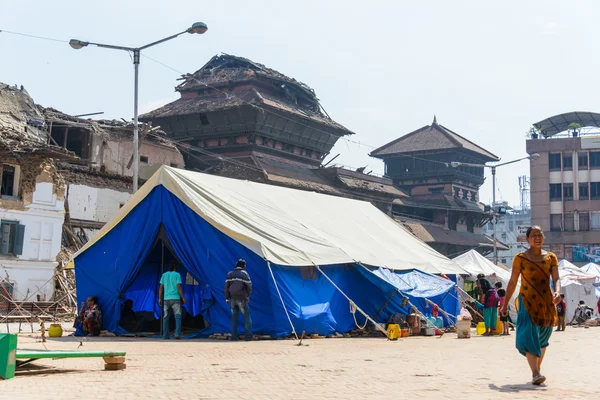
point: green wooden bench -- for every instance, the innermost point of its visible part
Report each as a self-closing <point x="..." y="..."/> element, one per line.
<point x="12" y="358"/>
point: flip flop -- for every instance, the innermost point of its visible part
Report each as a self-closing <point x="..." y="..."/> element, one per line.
<point x="538" y="379"/>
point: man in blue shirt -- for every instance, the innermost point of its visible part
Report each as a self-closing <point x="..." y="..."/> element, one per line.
<point x="170" y="297"/>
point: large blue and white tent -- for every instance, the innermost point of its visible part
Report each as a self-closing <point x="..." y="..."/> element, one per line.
<point x="307" y="255"/>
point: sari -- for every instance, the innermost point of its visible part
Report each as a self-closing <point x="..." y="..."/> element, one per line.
<point x="537" y="313"/>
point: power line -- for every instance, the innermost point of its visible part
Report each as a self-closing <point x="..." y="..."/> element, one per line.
<point x="33" y="36"/>
<point x="189" y="76"/>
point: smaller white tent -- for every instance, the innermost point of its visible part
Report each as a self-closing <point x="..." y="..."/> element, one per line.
<point x="576" y="285"/>
<point x="593" y="269"/>
<point x="474" y="263"/>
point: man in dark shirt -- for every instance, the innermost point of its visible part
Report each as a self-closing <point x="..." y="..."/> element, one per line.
<point x="238" y="288"/>
<point x="561" y="309"/>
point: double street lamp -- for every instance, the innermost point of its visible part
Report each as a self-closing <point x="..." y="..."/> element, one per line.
<point x="456" y="164"/>
<point x="198" y="27"/>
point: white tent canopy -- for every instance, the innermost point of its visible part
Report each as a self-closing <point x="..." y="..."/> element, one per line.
<point x="293" y="227"/>
<point x="474" y="263"/>
<point x="593" y="269"/>
<point x="576" y="285"/>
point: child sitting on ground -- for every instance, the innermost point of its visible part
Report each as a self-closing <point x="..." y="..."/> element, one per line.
<point x="503" y="318"/>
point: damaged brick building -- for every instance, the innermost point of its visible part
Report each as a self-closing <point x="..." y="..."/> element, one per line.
<point x="61" y="175"/>
<point x="241" y="119"/>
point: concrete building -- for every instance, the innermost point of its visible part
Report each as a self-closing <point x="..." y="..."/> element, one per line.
<point x="510" y="230"/>
<point x="565" y="184"/>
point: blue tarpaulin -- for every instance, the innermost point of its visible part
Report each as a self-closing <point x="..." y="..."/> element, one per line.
<point x="127" y="262"/>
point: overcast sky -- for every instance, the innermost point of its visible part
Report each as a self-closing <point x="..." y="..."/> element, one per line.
<point x="488" y="70"/>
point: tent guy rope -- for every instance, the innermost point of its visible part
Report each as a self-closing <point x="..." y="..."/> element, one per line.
<point x="386" y="333"/>
<point x="281" y="298"/>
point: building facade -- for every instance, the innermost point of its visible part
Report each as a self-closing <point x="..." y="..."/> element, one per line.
<point x="565" y="184"/>
<point x="443" y="208"/>
<point x="32" y="199"/>
<point x="510" y="230"/>
<point x="62" y="178"/>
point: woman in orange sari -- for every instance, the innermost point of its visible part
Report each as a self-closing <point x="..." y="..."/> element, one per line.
<point x="540" y="292"/>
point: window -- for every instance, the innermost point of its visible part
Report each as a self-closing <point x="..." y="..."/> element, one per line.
<point x="309" y="273"/>
<point x="144" y="159"/>
<point x="503" y="235"/>
<point x="511" y="225"/>
<point x="584" y="191"/>
<point x="569" y="225"/>
<point x="203" y="119"/>
<point x="555" y="192"/>
<point x="436" y="190"/>
<point x="554" y="162"/>
<point x="595" y="190"/>
<point x="503" y="261"/>
<point x="595" y="221"/>
<point x="555" y="222"/>
<point x="584" y="221"/>
<point x="568" y="191"/>
<point x="594" y="159"/>
<point x="582" y="160"/>
<point x="11" y="240"/>
<point x="8" y="180"/>
<point x="567" y="162"/>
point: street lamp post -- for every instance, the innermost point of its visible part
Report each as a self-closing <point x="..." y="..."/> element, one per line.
<point x="456" y="164"/>
<point x="198" y="27"/>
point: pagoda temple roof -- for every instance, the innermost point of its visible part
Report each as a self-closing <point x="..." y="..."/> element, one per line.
<point x="430" y="138"/>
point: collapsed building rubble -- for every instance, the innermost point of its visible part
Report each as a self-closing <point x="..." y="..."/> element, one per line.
<point x="63" y="177"/>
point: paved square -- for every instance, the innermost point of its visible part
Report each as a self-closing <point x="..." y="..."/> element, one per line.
<point x="421" y="367"/>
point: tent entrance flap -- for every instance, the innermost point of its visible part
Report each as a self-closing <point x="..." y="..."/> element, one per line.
<point x="146" y="315"/>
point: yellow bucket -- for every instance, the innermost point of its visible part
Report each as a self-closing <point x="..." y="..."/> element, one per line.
<point x="394" y="331"/>
<point x="481" y="328"/>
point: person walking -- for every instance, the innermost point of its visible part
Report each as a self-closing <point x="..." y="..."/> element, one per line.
<point x="238" y="288"/>
<point x="537" y="300"/>
<point x="170" y="297"/>
<point x="561" y="311"/>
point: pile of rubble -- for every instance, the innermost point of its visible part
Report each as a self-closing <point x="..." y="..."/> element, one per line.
<point x="64" y="287"/>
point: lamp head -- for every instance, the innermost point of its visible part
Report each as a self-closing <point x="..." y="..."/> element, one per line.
<point x="455" y="164"/>
<point x="198" y="27"/>
<point x="77" y="44"/>
<point x="534" y="156"/>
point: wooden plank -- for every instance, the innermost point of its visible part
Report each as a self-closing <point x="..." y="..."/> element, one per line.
<point x="21" y="354"/>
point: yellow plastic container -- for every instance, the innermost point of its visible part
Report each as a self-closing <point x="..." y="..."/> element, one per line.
<point x="499" y="327"/>
<point x="394" y="331"/>
<point x="55" y="330"/>
<point x="481" y="328"/>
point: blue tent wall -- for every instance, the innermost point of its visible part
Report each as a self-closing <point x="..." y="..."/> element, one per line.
<point x="116" y="267"/>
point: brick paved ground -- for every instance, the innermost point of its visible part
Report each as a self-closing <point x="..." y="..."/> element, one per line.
<point x="412" y="368"/>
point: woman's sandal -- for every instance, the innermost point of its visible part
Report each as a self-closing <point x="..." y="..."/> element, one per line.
<point x="538" y="379"/>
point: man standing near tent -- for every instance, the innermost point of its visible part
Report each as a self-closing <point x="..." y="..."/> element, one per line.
<point x="170" y="296"/>
<point x="238" y="288"/>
